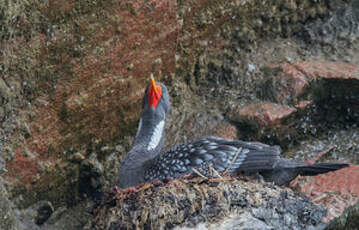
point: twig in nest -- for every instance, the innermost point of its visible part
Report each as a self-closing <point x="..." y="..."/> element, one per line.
<point x="198" y="173"/>
<point x="211" y="169"/>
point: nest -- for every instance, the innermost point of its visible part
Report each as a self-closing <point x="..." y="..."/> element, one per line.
<point x="187" y="202"/>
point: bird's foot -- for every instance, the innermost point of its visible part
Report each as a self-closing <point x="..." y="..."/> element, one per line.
<point x="132" y="189"/>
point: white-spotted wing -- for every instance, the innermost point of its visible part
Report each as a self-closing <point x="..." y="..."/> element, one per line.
<point x="221" y="154"/>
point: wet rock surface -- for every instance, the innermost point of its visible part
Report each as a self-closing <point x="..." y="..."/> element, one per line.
<point x="8" y="219"/>
<point x="304" y="99"/>
<point x="44" y="211"/>
<point x="341" y="28"/>
<point x="91" y="176"/>
<point x="72" y="76"/>
<point x="349" y="220"/>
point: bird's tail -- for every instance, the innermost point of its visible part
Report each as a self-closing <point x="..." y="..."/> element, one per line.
<point x="312" y="170"/>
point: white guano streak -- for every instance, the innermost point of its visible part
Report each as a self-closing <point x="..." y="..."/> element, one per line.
<point x="156" y="135"/>
<point x="139" y="127"/>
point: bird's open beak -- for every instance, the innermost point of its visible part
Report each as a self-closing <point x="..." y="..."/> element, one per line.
<point x="154" y="93"/>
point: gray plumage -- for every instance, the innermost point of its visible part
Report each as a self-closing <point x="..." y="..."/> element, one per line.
<point x="143" y="164"/>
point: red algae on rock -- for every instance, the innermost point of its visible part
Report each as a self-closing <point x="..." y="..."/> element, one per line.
<point x="93" y="61"/>
<point x="335" y="190"/>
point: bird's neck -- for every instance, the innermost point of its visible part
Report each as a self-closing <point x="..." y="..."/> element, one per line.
<point x="149" y="141"/>
<point x="150" y="135"/>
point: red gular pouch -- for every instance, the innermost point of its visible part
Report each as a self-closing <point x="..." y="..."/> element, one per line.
<point x="154" y="93"/>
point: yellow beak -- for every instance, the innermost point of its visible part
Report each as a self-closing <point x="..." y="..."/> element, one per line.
<point x="153" y="83"/>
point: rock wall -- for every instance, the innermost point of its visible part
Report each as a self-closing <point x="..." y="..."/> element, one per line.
<point x="72" y="75"/>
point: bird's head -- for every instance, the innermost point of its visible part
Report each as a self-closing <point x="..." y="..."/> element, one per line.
<point x="156" y="99"/>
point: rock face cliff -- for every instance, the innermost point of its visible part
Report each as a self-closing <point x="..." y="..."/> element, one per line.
<point x="72" y="75"/>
